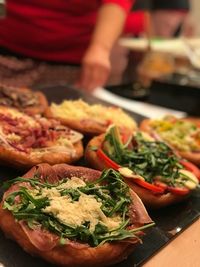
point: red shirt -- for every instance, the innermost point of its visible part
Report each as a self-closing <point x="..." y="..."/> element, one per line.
<point x="55" y="30"/>
<point x="135" y="23"/>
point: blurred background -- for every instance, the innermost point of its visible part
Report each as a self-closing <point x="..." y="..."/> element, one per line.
<point x="157" y="59"/>
<point x="194" y="16"/>
<point x="163" y="62"/>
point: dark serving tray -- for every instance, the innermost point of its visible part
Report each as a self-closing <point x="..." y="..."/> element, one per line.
<point x="173" y="91"/>
<point x="169" y="221"/>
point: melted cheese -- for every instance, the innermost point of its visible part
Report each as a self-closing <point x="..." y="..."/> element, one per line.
<point x="11" y="111"/>
<point x="15" y="114"/>
<point x="80" y="110"/>
<point x="13" y="137"/>
<point x="76" y="213"/>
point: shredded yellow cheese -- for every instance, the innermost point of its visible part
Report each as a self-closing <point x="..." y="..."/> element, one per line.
<point x="75" y="213"/>
<point x="80" y="110"/>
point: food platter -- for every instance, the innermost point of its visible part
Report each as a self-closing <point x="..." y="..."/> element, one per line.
<point x="170" y="221"/>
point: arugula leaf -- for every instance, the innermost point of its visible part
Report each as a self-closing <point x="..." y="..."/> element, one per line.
<point x="110" y="190"/>
<point x="149" y="159"/>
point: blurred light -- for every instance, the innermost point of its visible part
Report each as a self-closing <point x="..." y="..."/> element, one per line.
<point x="178" y="229"/>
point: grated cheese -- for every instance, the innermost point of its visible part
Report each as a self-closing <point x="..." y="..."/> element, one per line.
<point x="81" y="110"/>
<point x="76" y="213"/>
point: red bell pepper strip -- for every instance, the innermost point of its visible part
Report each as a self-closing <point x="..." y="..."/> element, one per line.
<point x="161" y="184"/>
<point x="109" y="162"/>
<point x="156" y="188"/>
<point x="182" y="191"/>
<point x="191" y="167"/>
<point x="151" y="187"/>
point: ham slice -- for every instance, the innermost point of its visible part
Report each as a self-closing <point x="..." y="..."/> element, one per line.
<point x="40" y="238"/>
<point x="44" y="240"/>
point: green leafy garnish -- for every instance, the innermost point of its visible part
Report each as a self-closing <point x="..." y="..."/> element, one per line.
<point x="149" y="159"/>
<point x="29" y="203"/>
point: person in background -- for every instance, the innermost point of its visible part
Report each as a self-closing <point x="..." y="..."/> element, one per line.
<point x="167" y="17"/>
<point x="73" y="32"/>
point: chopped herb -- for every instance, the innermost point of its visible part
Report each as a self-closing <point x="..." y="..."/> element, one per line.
<point x="149" y="159"/>
<point x="109" y="189"/>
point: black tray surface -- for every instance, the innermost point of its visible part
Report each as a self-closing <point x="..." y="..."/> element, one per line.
<point x="170" y="221"/>
<point x="166" y="92"/>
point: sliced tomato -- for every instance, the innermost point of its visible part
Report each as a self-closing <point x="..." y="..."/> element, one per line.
<point x="109" y="162"/>
<point x="151" y="187"/>
<point x="191" y="167"/>
<point x="182" y="191"/>
<point x="160" y="184"/>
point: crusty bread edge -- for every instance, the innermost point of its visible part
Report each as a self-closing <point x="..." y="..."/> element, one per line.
<point x="67" y="255"/>
<point x="84" y="127"/>
<point x="150" y="200"/>
<point x="40" y="108"/>
<point x="194" y="157"/>
<point x="22" y="160"/>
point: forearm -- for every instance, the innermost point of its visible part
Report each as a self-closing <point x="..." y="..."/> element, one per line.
<point x="109" y="26"/>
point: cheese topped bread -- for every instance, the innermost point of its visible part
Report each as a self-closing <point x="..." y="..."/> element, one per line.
<point x="71" y="216"/>
<point x="91" y="119"/>
<point x="26" y="141"/>
<point x="183" y="135"/>
<point x="31" y="102"/>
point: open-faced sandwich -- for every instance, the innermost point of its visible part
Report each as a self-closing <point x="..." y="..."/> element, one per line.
<point x="23" y="99"/>
<point x="26" y="141"/>
<point x="73" y="216"/>
<point x="181" y="134"/>
<point x="89" y="119"/>
<point x="150" y="167"/>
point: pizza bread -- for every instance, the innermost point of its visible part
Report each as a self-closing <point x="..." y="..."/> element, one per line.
<point x="60" y="239"/>
<point x="31" y="102"/>
<point x="154" y="195"/>
<point x="183" y="135"/>
<point x="26" y="141"/>
<point x="89" y="119"/>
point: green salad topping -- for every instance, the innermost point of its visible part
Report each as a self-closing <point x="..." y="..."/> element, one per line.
<point x="182" y="134"/>
<point x="148" y="158"/>
<point x="89" y="212"/>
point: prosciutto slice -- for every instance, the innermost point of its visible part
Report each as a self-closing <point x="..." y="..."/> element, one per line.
<point x="43" y="239"/>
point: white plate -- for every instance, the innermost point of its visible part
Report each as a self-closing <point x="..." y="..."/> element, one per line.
<point x="142" y="108"/>
<point x="173" y="46"/>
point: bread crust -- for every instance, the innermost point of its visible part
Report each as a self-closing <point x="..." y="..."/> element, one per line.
<point x="39" y="109"/>
<point x="72" y="254"/>
<point x="22" y="160"/>
<point x="150" y="200"/>
<point x="35" y="109"/>
<point x="88" y="127"/>
<point x="194" y="157"/>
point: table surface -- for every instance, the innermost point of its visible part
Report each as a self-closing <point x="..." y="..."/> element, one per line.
<point x="183" y="251"/>
<point x="180" y="249"/>
<point x="187" y="239"/>
<point x="176" y="247"/>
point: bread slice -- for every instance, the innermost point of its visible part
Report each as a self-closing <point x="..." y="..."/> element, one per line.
<point x="89" y="119"/>
<point x="45" y="244"/>
<point x="26" y="141"/>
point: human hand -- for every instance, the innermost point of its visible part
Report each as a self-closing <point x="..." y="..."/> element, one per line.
<point x="95" y="68"/>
